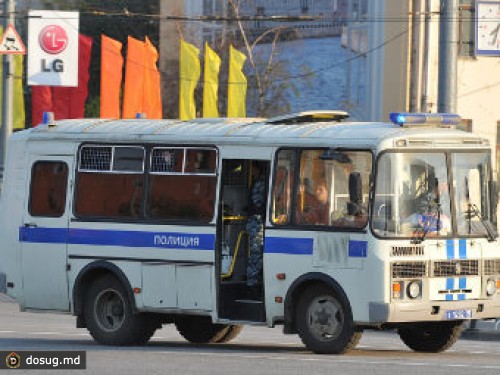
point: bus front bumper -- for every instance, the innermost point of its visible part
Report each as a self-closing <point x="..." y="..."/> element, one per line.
<point x="380" y="313"/>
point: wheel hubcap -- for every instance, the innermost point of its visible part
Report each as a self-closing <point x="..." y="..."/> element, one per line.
<point x="325" y="318"/>
<point x="109" y="310"/>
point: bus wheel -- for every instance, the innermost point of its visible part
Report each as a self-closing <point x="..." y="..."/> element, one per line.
<point x="200" y="329"/>
<point x="324" y="322"/>
<point x="232" y="332"/>
<point x="430" y="337"/>
<point x="110" y="318"/>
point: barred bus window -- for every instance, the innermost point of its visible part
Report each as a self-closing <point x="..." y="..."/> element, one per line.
<point x="96" y="158"/>
<point x="167" y="160"/>
<point x="48" y="189"/>
<point x="110" y="181"/>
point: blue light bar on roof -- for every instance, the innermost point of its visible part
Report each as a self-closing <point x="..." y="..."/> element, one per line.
<point x="436" y="119"/>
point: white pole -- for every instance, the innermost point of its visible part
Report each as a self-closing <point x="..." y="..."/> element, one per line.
<point x="7" y="90"/>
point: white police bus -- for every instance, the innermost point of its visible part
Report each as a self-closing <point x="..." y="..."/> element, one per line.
<point x="131" y="224"/>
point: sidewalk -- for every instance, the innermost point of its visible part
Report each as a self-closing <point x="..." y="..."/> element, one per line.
<point x="485" y="330"/>
<point x="5" y="298"/>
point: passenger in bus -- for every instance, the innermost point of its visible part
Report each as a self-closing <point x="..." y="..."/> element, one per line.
<point x="317" y="212"/>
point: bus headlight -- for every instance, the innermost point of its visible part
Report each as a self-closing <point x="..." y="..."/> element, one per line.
<point x="414" y="289"/>
<point x="491" y="287"/>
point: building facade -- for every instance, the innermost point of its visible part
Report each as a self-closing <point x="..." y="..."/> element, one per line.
<point x="393" y="62"/>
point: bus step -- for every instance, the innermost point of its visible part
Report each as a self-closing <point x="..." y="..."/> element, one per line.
<point x="245" y="309"/>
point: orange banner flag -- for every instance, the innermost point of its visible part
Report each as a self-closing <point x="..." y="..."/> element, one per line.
<point x="152" y="93"/>
<point x="111" y="77"/>
<point x="134" y="78"/>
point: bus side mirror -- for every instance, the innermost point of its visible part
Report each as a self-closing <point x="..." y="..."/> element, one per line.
<point x="355" y="194"/>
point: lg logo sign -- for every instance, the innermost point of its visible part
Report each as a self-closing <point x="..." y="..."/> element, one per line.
<point x="53" y="40"/>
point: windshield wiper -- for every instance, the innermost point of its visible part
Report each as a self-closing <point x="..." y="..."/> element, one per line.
<point x="473" y="210"/>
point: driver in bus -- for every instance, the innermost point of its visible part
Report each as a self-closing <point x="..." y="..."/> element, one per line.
<point x="432" y="218"/>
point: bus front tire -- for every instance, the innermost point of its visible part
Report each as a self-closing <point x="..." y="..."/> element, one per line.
<point x="200" y="329"/>
<point x="110" y="318"/>
<point x="324" y="322"/>
<point x="430" y="337"/>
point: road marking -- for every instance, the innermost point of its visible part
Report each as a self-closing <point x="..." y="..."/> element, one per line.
<point x="46" y="333"/>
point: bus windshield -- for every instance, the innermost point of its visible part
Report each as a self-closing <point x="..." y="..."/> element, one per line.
<point x="416" y="194"/>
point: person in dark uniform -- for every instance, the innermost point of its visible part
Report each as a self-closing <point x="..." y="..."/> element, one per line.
<point x="255" y="226"/>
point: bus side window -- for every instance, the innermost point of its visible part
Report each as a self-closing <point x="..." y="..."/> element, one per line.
<point x="48" y="189"/>
<point x="283" y="187"/>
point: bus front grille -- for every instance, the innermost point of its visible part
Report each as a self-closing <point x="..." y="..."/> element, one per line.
<point x="405" y="270"/>
<point x="456" y="267"/>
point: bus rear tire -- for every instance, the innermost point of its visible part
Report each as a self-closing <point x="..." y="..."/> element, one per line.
<point x="324" y="322"/>
<point x="232" y="332"/>
<point x="110" y="318"/>
<point x="200" y="329"/>
<point x="430" y="337"/>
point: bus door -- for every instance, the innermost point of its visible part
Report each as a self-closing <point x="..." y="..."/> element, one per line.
<point x="43" y="233"/>
<point x="240" y="239"/>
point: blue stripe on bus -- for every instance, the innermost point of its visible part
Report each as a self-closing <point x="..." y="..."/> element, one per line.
<point x="167" y="240"/>
<point x="462" y="283"/>
<point x="450" y="283"/>
<point x="461" y="297"/>
<point x="357" y="249"/>
<point x="284" y="245"/>
<point x="449" y="297"/>
<point x="43" y="235"/>
<point x="462" y="249"/>
<point x="450" y="249"/>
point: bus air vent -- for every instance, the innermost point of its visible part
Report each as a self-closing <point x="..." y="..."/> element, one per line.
<point x="403" y="251"/>
<point x="308" y="116"/>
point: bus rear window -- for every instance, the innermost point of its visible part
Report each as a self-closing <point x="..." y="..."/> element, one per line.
<point x="48" y="188"/>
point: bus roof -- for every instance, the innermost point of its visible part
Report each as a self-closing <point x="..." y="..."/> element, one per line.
<point x="226" y="131"/>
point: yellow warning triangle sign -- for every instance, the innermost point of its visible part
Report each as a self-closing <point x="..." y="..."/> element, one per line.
<point x="11" y="43"/>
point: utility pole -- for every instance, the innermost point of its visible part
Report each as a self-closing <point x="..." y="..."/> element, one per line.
<point x="448" y="39"/>
<point x="7" y="88"/>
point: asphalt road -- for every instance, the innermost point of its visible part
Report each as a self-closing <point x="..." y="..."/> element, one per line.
<point x="257" y="350"/>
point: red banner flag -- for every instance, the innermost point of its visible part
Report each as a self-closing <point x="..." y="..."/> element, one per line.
<point x="41" y="101"/>
<point x="69" y="102"/>
<point x="111" y="77"/>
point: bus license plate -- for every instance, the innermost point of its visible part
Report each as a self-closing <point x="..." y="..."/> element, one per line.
<point x="458" y="314"/>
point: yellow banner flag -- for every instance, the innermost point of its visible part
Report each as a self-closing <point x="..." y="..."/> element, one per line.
<point x="237" y="84"/>
<point x="18" y="113"/>
<point x="189" y="74"/>
<point x="211" y="82"/>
